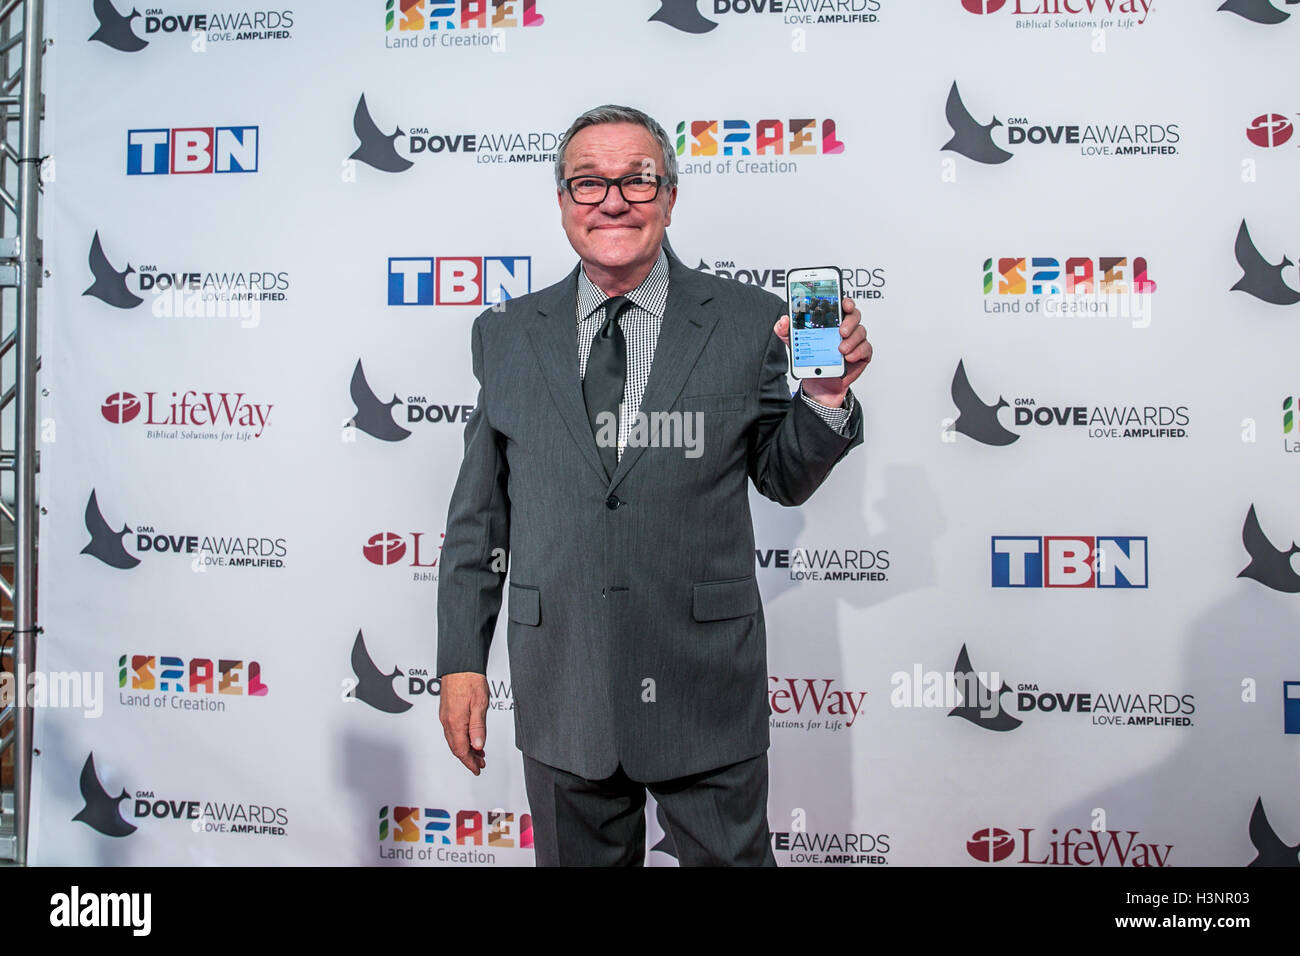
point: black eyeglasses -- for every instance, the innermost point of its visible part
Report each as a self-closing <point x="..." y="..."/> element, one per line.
<point x="592" y="190"/>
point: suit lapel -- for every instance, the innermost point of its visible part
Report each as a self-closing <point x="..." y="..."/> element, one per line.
<point x="555" y="336"/>
<point x="686" y="326"/>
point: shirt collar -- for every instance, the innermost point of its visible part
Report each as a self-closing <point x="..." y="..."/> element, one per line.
<point x="591" y="296"/>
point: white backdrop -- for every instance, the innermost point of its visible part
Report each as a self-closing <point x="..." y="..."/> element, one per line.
<point x="324" y="746"/>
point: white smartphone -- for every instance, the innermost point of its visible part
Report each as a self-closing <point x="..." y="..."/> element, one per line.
<point x="815" y="295"/>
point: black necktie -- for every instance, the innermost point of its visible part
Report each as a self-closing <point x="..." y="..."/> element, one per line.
<point x="602" y="386"/>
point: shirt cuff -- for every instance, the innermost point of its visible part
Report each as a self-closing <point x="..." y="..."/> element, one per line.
<point x="836" y="418"/>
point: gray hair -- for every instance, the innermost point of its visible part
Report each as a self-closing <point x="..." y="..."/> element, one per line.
<point x="619" y="114"/>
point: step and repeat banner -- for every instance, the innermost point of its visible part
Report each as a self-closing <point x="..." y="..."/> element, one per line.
<point x="1046" y="615"/>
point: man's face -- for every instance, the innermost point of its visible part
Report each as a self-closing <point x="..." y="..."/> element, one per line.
<point x="615" y="237"/>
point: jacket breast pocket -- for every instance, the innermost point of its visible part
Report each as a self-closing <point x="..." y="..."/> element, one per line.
<point x="722" y="600"/>
<point x="525" y="605"/>
<point x="722" y="402"/>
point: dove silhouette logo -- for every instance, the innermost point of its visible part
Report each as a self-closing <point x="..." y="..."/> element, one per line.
<point x="970" y="138"/>
<point x="101" y="812"/>
<point x="105" y="543"/>
<point x="376" y="148"/>
<point x="374" y="417"/>
<point x="682" y="15"/>
<point x="975" y="418"/>
<point x="1269" y="130"/>
<point x="991" y="845"/>
<point x="1269" y="848"/>
<point x="1259" y="277"/>
<point x="109" y="285"/>
<point x="1257" y="11"/>
<point x="373" y="686"/>
<point x="980" y="703"/>
<point x="120" y="407"/>
<point x="114" y="29"/>
<point x="1268" y="565"/>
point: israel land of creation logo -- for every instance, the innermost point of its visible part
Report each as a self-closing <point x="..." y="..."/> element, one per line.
<point x="979" y="420"/>
<point x="978" y="142"/>
<point x="1267" y="12"/>
<point x="200" y="815"/>
<point x="861" y="282"/>
<point x="1030" y="16"/>
<point x="1275" y="284"/>
<point x="195" y="32"/>
<point x="1092" y="286"/>
<point x="418" y="550"/>
<point x="1074" y="846"/>
<point x="189" y="415"/>
<point x="1291" y="424"/>
<point x="197" y="552"/>
<point x="454" y="836"/>
<point x="191" y="150"/>
<point x="183" y="293"/>
<point x="826" y="564"/>
<point x="395" y="693"/>
<point x="1069" y="561"/>
<point x="692" y="16"/>
<point x="458" y="280"/>
<point x="1269" y="565"/>
<point x="426" y="142"/>
<point x="382" y="420"/>
<point x="204" y="684"/>
<point x="457" y="24"/>
<point x="753" y="147"/>
<point x="813" y="704"/>
<point x="988" y="700"/>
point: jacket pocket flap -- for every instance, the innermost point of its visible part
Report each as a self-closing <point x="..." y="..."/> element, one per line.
<point x="525" y="605"/>
<point x="719" y="600"/>
<point x="725" y="402"/>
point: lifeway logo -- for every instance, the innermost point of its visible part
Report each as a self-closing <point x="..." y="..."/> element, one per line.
<point x="1066" y="13"/>
<point x="191" y="150"/>
<point x="826" y="564"/>
<point x="979" y="421"/>
<point x="860" y="282"/>
<point x="458" y="280"/>
<point x="202" y="551"/>
<point x="190" y="414"/>
<point x="971" y="696"/>
<point x="975" y="141"/>
<point x="388" y="548"/>
<point x="1069" y="561"/>
<point x="1074" y="847"/>
<point x="103" y="814"/>
<point x="378" y="149"/>
<point x="1270" y="129"/>
<point x="372" y="686"/>
<point x="479" y="24"/>
<point x="810" y="704"/>
<point x="685" y="15"/>
<point x="1259" y="277"/>
<point x="698" y="141"/>
<point x="378" y="419"/>
<point x="1259" y="11"/>
<point x="195" y="29"/>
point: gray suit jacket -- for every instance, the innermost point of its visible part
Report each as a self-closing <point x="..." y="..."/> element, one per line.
<point x="635" y="628"/>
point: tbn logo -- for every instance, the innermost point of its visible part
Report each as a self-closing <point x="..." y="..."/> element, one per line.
<point x="458" y="280"/>
<point x="204" y="149"/>
<point x="1059" y="561"/>
<point x="441" y="14"/>
<point x="766" y="137"/>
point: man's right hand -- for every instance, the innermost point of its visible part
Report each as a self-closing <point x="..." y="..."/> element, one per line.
<point x="462" y="708"/>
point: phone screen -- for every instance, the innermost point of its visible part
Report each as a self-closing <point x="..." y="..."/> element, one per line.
<point x="815" y="323"/>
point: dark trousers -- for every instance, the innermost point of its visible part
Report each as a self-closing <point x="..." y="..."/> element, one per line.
<point x="715" y="818"/>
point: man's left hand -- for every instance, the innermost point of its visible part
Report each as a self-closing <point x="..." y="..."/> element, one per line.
<point x="856" y="351"/>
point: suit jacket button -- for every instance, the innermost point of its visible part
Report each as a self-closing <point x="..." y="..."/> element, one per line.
<point x="612" y="502"/>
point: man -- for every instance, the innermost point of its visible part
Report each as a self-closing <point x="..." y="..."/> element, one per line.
<point x="636" y="640"/>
